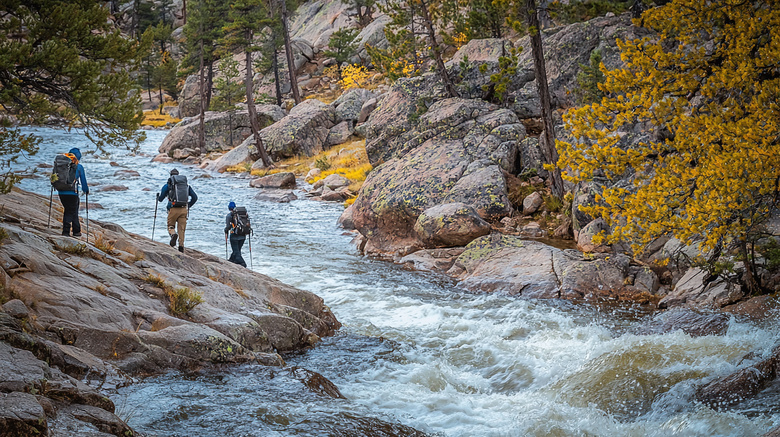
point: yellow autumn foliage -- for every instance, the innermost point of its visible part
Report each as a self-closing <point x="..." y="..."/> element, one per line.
<point x="354" y="76"/>
<point x="706" y="91"/>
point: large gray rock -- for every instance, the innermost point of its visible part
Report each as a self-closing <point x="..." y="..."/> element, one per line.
<point x="455" y="153"/>
<point x="507" y="264"/>
<point x="691" y="291"/>
<point x="277" y="180"/>
<point x="349" y="104"/>
<point x="338" y="134"/>
<point x="189" y="98"/>
<point x="220" y="127"/>
<point x="450" y="224"/>
<point x="303" y="132"/>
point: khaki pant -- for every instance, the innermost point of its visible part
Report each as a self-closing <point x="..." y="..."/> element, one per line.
<point x="177" y="216"/>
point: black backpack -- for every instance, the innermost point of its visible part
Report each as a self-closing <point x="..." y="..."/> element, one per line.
<point x="178" y="190"/>
<point x="241" y="223"/>
<point x="63" y="175"/>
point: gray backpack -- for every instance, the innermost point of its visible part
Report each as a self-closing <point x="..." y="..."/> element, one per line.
<point x="178" y="190"/>
<point x="63" y="175"/>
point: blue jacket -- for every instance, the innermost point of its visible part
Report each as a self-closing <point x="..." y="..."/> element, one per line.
<point x="81" y="178"/>
<point x="164" y="195"/>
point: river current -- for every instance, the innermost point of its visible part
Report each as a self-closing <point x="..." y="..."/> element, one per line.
<point x="415" y="352"/>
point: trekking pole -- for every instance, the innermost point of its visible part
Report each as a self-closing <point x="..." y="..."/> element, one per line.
<point x="154" y="223"/>
<point x="226" y="255"/>
<point x="250" y="252"/>
<point x="51" y="196"/>
<point x="87" y="196"/>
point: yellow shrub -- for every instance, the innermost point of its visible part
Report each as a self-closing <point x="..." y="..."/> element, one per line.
<point x="354" y="76"/>
<point x="154" y="118"/>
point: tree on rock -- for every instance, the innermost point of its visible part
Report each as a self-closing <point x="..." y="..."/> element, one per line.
<point x="66" y="59"/>
<point x="708" y="87"/>
<point x="246" y="19"/>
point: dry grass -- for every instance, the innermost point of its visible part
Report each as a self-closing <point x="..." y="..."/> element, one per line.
<point x="154" y="118"/>
<point x="155" y="280"/>
<point x="182" y="299"/>
<point x="107" y="246"/>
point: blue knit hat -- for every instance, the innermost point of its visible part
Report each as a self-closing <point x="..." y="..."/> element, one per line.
<point x="75" y="151"/>
<point x="231" y="205"/>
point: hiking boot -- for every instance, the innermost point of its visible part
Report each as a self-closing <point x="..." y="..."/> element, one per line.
<point x="77" y="235"/>
<point x="174" y="237"/>
<point x="181" y="249"/>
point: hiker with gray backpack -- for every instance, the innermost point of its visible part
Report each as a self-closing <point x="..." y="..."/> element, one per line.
<point x="66" y="176"/>
<point x="238" y="226"/>
<point x="180" y="197"/>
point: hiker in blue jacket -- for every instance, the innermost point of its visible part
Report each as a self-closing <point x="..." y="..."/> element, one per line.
<point x="70" y="198"/>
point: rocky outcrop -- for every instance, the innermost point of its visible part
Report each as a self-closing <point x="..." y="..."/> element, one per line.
<point x="501" y="263"/>
<point x="124" y="298"/>
<point x="278" y="180"/>
<point x="449" y="225"/>
<point x="303" y="132"/>
<point x="454" y="152"/>
<point x="743" y="384"/>
<point x="565" y="47"/>
<point x="220" y="129"/>
<point x="349" y="104"/>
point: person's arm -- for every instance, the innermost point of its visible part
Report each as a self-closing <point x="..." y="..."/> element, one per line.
<point x="83" y="178"/>
<point x="193" y="197"/>
<point x="163" y="193"/>
<point x="228" y="222"/>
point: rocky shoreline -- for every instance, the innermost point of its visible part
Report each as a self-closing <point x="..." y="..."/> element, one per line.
<point x="78" y="318"/>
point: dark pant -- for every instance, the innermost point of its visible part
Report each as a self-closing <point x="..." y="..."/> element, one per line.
<point x="71" y="215"/>
<point x="236" y="243"/>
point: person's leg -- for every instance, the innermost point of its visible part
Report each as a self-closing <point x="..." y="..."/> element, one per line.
<point x="68" y="202"/>
<point x="182" y="225"/>
<point x="75" y="218"/>
<point x="239" y="245"/>
<point x="172" y="225"/>
<point x="235" y="250"/>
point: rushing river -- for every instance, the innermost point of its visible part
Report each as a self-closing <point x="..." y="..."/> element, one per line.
<point x="415" y="352"/>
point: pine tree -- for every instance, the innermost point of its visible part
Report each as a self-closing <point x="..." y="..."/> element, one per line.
<point x="66" y="59"/>
<point x="362" y="9"/>
<point x="246" y="19"/>
<point x="202" y="30"/>
<point x="342" y="46"/>
<point x="708" y="86"/>
<point x="229" y="90"/>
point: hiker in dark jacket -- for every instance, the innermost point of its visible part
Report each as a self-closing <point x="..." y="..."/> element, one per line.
<point x="70" y="198"/>
<point x="236" y="241"/>
<point x="177" y="215"/>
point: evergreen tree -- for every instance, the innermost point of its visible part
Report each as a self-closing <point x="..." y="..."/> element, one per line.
<point x="708" y="86"/>
<point x="412" y="37"/>
<point x="229" y="90"/>
<point x="285" y="6"/>
<point x="342" y="46"/>
<point x="202" y="30"/>
<point x="66" y="59"/>
<point x="246" y="19"/>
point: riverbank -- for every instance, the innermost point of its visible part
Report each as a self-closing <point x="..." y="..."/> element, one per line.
<point x="119" y="306"/>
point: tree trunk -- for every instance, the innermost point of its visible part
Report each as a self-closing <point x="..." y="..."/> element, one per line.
<point x="160" y="91"/>
<point x="445" y="77"/>
<point x="275" y="64"/>
<point x="184" y="11"/>
<point x="290" y="59"/>
<point x="202" y="100"/>
<point x="250" y="104"/>
<point x="209" y="83"/>
<point x="749" y="278"/>
<point x="134" y="23"/>
<point x="548" y="146"/>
